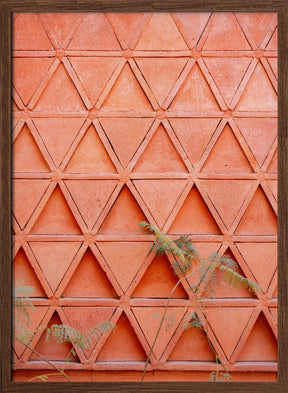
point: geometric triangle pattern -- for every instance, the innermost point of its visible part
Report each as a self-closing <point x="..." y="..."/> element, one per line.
<point x="165" y="117"/>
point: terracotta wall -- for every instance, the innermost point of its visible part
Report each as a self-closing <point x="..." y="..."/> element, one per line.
<point x="169" y="118"/>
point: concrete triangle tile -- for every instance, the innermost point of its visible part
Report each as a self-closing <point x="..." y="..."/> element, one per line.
<point x="27" y="156"/>
<point x="123" y="344"/>
<point x="161" y="74"/>
<point x="154" y="194"/>
<point x="228" y="324"/>
<point x="261" y="259"/>
<point x="227" y="73"/>
<point x="256" y="23"/>
<point x="259" y="218"/>
<point x="149" y="319"/>
<point x="194" y="135"/>
<point x="58" y="135"/>
<point x="23" y="271"/>
<point x="273" y="185"/>
<point x="195" y="94"/>
<point x="273" y="64"/>
<point x="253" y="130"/>
<point x="94" y="33"/>
<point x="90" y="197"/>
<point x="223" y="160"/>
<point x="272" y="168"/>
<point x="225" y="33"/>
<point x="85" y="318"/>
<point x="61" y="23"/>
<point x="158" y="281"/>
<point x="272" y="44"/>
<point x="28" y="33"/>
<point x="126" y="24"/>
<point x="90" y="155"/>
<point x="160" y="155"/>
<point x="126" y="94"/>
<point x="60" y="95"/>
<point x="253" y="349"/>
<point x="119" y="256"/>
<point x="193" y="25"/>
<point x="194" y="217"/>
<point x="119" y="130"/>
<point x="61" y="253"/>
<point x="89" y="280"/>
<point x="161" y="33"/>
<point x="94" y="73"/>
<point x="259" y="94"/>
<point x="225" y="193"/>
<point x="26" y="196"/>
<point x="28" y="73"/>
<point x="56" y="217"/>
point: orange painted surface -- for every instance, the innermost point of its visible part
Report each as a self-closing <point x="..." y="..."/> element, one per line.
<point x="168" y="118"/>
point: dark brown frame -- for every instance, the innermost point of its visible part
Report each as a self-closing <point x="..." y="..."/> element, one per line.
<point x="9" y="6"/>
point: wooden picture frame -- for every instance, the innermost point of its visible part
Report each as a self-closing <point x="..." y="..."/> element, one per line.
<point x="10" y="6"/>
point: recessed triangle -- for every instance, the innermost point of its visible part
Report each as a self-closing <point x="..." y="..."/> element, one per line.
<point x="194" y="217"/>
<point x="60" y="94"/>
<point x="149" y="318"/>
<point x="161" y="74"/>
<point x="126" y="94"/>
<point x="272" y="168"/>
<point x="26" y="196"/>
<point x="192" y="346"/>
<point x="28" y="33"/>
<point x="194" y="135"/>
<point x="123" y="344"/>
<point x="272" y="44"/>
<point x="261" y="344"/>
<point x="259" y="94"/>
<point x="94" y="33"/>
<point x="124" y="216"/>
<point x="261" y="259"/>
<point x="274" y="312"/>
<point x="273" y="64"/>
<point x="273" y="185"/>
<point x="160" y="155"/>
<point x="161" y="33"/>
<point x="28" y="73"/>
<point x="259" y="218"/>
<point x="225" y="33"/>
<point x="259" y="134"/>
<point x="195" y="94"/>
<point x="194" y="24"/>
<point x="222" y="289"/>
<point x="124" y="259"/>
<point x="26" y="154"/>
<point x="58" y="135"/>
<point x="56" y="217"/>
<point x="227" y="73"/>
<point x="90" y="197"/>
<point x="154" y="194"/>
<point x="158" y="281"/>
<point x="225" y="193"/>
<point x="61" y="23"/>
<point x="227" y="155"/>
<point x="257" y="24"/>
<point x="121" y="130"/>
<point x="86" y="318"/>
<point x="23" y="271"/>
<point x="54" y="258"/>
<point x="36" y="315"/>
<point x="228" y="324"/>
<point x="126" y="24"/>
<point x="90" y="155"/>
<point x="94" y="73"/>
<point x="52" y="350"/>
<point x="89" y="280"/>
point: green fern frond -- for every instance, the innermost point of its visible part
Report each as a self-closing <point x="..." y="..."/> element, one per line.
<point x="194" y="321"/>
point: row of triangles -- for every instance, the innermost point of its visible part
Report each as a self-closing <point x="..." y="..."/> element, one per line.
<point x="130" y="92"/>
<point x="189" y="345"/>
<point x="82" y="151"/>
<point x="94" y="31"/>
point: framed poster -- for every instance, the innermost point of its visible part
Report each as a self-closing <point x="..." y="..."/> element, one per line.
<point x="165" y="115"/>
